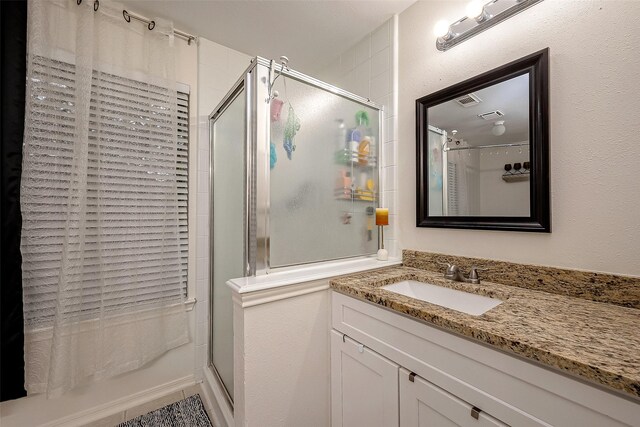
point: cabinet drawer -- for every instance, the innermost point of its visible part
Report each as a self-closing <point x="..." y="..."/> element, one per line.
<point x="423" y="404"/>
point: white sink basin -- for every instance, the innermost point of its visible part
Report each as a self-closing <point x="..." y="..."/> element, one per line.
<point x="450" y="298"/>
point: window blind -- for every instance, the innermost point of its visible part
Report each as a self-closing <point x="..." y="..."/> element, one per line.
<point x="452" y="189"/>
<point x="132" y="167"/>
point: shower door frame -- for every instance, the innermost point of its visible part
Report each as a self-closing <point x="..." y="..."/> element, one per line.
<point x="242" y="87"/>
<point x="255" y="82"/>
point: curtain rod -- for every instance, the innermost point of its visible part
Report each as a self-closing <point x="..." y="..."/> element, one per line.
<point x="150" y="23"/>
<point x="477" y="147"/>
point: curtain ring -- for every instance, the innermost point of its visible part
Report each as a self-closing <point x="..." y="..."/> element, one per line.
<point x="125" y="15"/>
<point x="152" y="25"/>
<point x="96" y="5"/>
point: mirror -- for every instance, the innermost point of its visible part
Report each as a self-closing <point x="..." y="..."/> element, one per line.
<point x="482" y="151"/>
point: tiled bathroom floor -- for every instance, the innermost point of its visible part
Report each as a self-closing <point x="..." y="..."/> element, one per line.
<point x="115" y="419"/>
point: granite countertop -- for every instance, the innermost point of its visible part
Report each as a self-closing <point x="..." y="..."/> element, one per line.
<point x="596" y="341"/>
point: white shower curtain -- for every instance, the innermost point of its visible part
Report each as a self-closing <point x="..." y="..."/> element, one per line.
<point x="463" y="186"/>
<point x="99" y="183"/>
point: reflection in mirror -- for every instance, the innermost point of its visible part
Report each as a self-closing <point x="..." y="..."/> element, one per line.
<point x="482" y="150"/>
<point x="479" y="152"/>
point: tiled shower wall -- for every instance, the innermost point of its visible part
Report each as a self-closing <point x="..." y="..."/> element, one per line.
<point x="218" y="69"/>
<point x="369" y="69"/>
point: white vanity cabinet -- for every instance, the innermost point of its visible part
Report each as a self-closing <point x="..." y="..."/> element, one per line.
<point x="455" y="379"/>
<point x="367" y="389"/>
<point x="364" y="386"/>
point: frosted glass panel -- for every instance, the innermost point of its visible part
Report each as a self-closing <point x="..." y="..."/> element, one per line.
<point x="324" y="182"/>
<point x="228" y="154"/>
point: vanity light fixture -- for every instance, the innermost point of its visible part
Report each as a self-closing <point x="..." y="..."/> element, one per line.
<point x="477" y="11"/>
<point x="481" y="14"/>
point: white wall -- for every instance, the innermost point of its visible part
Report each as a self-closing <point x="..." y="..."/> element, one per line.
<point x="497" y="196"/>
<point x="170" y="372"/>
<point x="595" y="177"/>
<point x="282" y="357"/>
<point x="369" y="69"/>
<point x="218" y="69"/>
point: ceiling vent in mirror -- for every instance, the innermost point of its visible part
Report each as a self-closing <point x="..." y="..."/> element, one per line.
<point x="491" y="115"/>
<point x="468" y="100"/>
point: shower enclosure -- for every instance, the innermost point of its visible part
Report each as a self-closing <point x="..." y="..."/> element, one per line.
<point x="299" y="159"/>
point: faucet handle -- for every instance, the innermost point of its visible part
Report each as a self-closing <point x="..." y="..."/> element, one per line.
<point x="450" y="267"/>
<point x="473" y="275"/>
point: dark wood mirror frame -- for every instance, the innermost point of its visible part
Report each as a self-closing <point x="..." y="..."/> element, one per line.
<point x="537" y="66"/>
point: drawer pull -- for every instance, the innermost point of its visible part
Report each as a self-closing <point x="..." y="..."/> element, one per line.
<point x="412" y="377"/>
<point x="360" y="348"/>
<point x="475" y="412"/>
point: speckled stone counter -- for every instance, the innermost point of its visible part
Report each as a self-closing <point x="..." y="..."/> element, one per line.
<point x="595" y="341"/>
<point x="602" y="287"/>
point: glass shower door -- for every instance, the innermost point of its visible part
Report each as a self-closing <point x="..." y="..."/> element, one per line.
<point x="228" y="169"/>
<point x="324" y="182"/>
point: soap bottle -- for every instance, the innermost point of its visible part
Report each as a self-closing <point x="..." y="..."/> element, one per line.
<point x="354" y="136"/>
<point x="343" y="185"/>
<point x="341" y="136"/>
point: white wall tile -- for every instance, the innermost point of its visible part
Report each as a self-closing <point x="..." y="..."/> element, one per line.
<point x="203" y="161"/>
<point x="201" y="355"/>
<point x="202" y="290"/>
<point x="202" y="270"/>
<point x="202" y="247"/>
<point x="238" y="62"/>
<point x="389" y="129"/>
<point x="203" y="182"/>
<point x="391" y="245"/>
<point x="202" y="225"/>
<point x="380" y="62"/>
<point x="212" y="54"/>
<point x="381" y="85"/>
<point x="201" y="334"/>
<point x="202" y="312"/>
<point x="349" y="81"/>
<point x="347" y="61"/>
<point x="388" y="174"/>
<point x="390" y="201"/>
<point x="203" y="206"/>
<point x="363" y="50"/>
<point x="388" y="154"/>
<point x="361" y="77"/>
<point x="198" y="374"/>
<point x="389" y="231"/>
<point x="381" y="37"/>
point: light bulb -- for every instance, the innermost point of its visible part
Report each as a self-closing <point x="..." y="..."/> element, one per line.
<point x="475" y="9"/>
<point x="498" y="128"/>
<point x="441" y="29"/>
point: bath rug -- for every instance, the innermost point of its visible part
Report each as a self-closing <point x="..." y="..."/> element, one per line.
<point x="187" y="412"/>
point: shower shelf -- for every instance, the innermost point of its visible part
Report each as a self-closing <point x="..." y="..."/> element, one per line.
<point x="516" y="177"/>
<point x="355" y="195"/>
<point x="353" y="158"/>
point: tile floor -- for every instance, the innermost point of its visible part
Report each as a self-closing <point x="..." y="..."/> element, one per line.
<point x="115" y="419"/>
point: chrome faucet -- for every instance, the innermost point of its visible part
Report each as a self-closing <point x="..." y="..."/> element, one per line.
<point x="454" y="273"/>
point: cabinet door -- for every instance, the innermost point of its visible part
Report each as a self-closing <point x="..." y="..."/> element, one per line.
<point x="364" y="386"/>
<point x="424" y="404"/>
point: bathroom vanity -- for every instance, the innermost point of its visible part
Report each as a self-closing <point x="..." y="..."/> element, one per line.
<point x="535" y="359"/>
